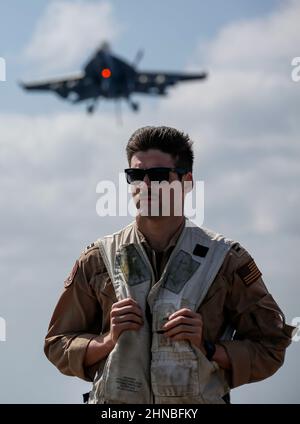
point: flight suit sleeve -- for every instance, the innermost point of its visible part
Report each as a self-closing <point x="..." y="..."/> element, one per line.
<point x="262" y="336"/>
<point x="76" y="320"/>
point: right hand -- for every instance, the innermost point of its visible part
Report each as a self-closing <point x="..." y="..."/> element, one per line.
<point x="126" y="314"/>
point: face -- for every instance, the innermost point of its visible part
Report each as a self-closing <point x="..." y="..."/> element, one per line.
<point x="158" y="199"/>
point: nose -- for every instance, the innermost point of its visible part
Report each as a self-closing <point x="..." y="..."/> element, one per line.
<point x="147" y="180"/>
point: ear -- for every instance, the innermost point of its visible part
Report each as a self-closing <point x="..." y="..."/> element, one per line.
<point x="188" y="182"/>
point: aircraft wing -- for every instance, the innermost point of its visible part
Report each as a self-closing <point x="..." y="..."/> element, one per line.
<point x="59" y="85"/>
<point x="157" y="82"/>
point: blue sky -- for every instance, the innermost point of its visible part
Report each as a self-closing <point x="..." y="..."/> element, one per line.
<point x="244" y="121"/>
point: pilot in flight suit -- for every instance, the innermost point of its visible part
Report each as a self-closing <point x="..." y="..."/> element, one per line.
<point x="199" y="270"/>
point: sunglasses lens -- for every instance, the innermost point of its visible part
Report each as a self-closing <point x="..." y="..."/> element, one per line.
<point x="154" y="174"/>
<point x="158" y="174"/>
<point x="133" y="175"/>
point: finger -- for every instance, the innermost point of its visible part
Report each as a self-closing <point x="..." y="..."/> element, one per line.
<point x="125" y="310"/>
<point x="182" y="320"/>
<point x="182" y="328"/>
<point x="124" y="302"/>
<point x="184" y="311"/>
<point x="128" y="318"/>
<point x="121" y="326"/>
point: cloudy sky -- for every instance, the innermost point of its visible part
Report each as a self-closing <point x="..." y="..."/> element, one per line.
<point x="245" y="123"/>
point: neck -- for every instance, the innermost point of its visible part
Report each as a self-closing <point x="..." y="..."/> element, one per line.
<point x="159" y="230"/>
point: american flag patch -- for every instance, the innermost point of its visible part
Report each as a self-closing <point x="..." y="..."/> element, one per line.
<point x="249" y="273"/>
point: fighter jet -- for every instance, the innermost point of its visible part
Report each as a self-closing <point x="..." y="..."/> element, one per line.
<point x="108" y="76"/>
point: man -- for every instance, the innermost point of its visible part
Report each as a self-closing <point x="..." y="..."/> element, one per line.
<point x="164" y="311"/>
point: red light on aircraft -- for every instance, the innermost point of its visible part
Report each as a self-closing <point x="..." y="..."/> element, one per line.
<point x="106" y="73"/>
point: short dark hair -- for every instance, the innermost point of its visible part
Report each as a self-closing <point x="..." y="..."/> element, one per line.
<point x="166" y="139"/>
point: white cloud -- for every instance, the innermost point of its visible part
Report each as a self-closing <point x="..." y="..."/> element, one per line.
<point x="262" y="44"/>
<point x="68" y="31"/>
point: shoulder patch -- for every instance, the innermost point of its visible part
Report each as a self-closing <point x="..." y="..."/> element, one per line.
<point x="237" y="249"/>
<point x="249" y="273"/>
<point x="70" y="279"/>
<point x="89" y="247"/>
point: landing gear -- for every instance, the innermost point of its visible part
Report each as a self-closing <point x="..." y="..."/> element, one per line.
<point x="91" y="108"/>
<point x="134" y="105"/>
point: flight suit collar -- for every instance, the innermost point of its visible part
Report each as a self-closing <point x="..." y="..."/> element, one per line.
<point x="159" y="259"/>
<point x="172" y="241"/>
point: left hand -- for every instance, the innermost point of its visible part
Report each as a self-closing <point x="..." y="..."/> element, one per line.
<point x="185" y="324"/>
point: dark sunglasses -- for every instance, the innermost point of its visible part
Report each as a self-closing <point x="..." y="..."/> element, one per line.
<point x="154" y="174"/>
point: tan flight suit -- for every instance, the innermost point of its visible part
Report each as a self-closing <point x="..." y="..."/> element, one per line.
<point x="237" y="296"/>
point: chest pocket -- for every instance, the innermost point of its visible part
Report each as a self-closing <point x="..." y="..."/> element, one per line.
<point x="132" y="266"/>
<point x="174" y="280"/>
<point x="175" y="374"/>
<point x="174" y="365"/>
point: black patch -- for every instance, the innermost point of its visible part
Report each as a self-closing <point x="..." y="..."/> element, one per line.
<point x="200" y="250"/>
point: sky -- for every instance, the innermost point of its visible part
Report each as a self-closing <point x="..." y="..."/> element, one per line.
<point x="244" y="121"/>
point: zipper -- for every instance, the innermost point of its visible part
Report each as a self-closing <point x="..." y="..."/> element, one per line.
<point x="155" y="286"/>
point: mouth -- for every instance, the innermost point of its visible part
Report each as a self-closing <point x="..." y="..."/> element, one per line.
<point x="149" y="198"/>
